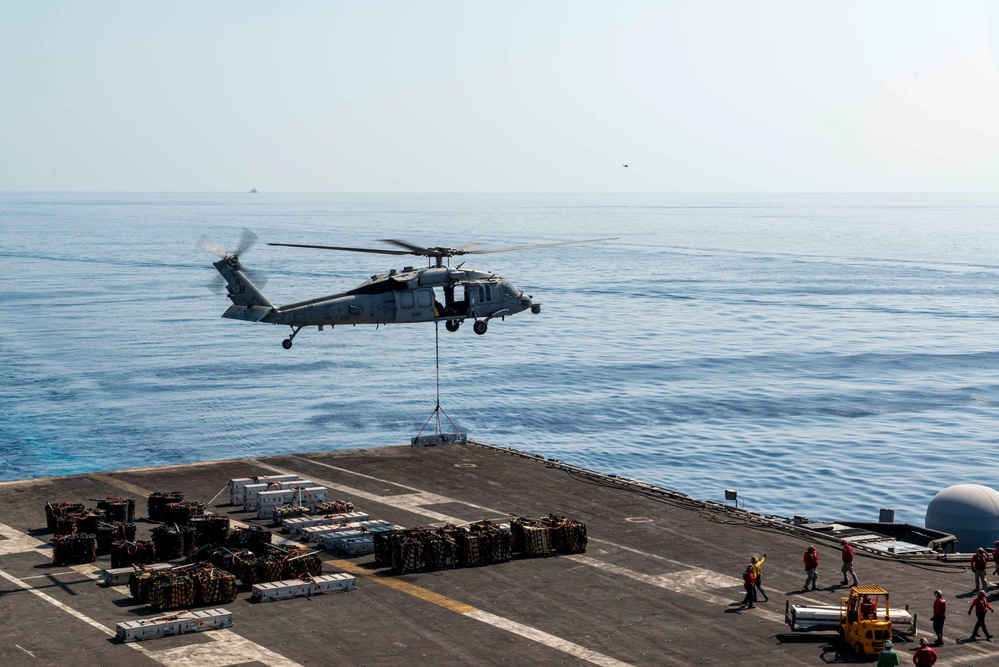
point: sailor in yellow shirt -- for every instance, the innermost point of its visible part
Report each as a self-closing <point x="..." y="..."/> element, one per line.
<point x="756" y="565"/>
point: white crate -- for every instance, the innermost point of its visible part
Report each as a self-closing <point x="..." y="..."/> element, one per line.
<point x="175" y="624"/>
<point x="299" y="523"/>
<point x="237" y="485"/>
<point x="336" y="539"/>
<point x="314" y="533"/>
<point x="251" y="492"/>
<point x="121" y="576"/>
<point x="358" y="546"/>
<point x="267" y="501"/>
<point x="291" y="588"/>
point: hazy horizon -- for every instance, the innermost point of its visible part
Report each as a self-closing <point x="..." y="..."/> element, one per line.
<point x="697" y="97"/>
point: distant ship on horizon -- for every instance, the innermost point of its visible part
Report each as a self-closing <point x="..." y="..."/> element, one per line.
<point x="253" y="191"/>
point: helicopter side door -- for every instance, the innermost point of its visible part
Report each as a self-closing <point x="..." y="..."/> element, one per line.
<point x="479" y="296"/>
<point x="415" y="305"/>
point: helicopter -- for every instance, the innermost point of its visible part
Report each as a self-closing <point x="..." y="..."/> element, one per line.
<point x="397" y="297"/>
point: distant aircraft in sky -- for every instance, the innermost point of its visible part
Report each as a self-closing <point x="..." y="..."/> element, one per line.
<point x="624" y="165"/>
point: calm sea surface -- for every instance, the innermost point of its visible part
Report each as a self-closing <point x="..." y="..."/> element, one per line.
<point x="824" y="355"/>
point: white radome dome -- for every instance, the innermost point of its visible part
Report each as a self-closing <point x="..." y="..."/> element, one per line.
<point x="970" y="512"/>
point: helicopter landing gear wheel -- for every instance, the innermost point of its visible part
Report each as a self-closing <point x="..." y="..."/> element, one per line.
<point x="286" y="343"/>
<point x="452" y="325"/>
<point x="480" y="327"/>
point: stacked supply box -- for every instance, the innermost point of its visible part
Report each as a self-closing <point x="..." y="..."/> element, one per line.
<point x="237" y="486"/>
<point x="314" y="533"/>
<point x="251" y="491"/>
<point x="299" y="523"/>
<point x="283" y="590"/>
<point x="268" y="501"/>
<point x="355" y="540"/>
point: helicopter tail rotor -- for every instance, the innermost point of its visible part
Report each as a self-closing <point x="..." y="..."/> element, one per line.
<point x="231" y="260"/>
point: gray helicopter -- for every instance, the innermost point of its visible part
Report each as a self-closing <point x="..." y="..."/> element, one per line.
<point x="396" y="297"/>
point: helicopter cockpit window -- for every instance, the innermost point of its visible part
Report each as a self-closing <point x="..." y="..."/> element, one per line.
<point x="485" y="293"/>
<point x="507" y="288"/>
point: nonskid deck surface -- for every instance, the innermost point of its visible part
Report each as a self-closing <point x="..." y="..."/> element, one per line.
<point x="660" y="582"/>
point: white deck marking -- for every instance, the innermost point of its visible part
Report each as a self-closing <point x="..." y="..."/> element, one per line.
<point x="228" y="648"/>
<point x="550" y="640"/>
<point x="410" y="502"/>
<point x="51" y="600"/>
<point x="16" y="542"/>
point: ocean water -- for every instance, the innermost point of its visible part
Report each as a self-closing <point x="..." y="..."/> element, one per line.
<point x="825" y="355"/>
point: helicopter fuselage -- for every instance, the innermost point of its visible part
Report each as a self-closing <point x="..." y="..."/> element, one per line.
<point x="429" y="294"/>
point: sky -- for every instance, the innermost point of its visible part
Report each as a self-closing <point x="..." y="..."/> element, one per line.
<point x="458" y="96"/>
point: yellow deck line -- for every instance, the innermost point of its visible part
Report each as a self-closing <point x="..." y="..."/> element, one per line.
<point x="124" y="486"/>
<point x="403" y="587"/>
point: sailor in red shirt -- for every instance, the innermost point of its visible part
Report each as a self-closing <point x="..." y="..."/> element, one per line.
<point x="981" y="605"/>
<point x="749" y="583"/>
<point x="924" y="655"/>
<point x="995" y="556"/>
<point x="867" y="607"/>
<point x="848" y="563"/>
<point x="939" y="616"/>
<point x="978" y="563"/>
<point x="811" y="559"/>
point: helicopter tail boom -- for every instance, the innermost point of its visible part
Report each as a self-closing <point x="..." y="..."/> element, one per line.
<point x="248" y="303"/>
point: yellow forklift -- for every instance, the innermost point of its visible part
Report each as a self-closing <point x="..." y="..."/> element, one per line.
<point x="863" y="619"/>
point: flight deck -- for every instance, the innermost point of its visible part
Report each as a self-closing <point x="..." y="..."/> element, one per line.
<point x="659" y="582"/>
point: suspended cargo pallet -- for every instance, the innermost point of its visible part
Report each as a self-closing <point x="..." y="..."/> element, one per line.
<point x="292" y="588"/>
<point x="175" y="624"/>
<point x="237" y="486"/>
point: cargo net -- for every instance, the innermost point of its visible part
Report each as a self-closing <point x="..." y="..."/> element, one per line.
<point x="78" y="521"/>
<point x="74" y="549"/>
<point x="534" y="538"/>
<point x="252" y="538"/>
<point x="182" y="587"/>
<point x="118" y="509"/>
<point x="427" y="550"/>
<point x="182" y="512"/>
<point x="157" y="502"/>
<point x="127" y="552"/>
<point x="174" y="541"/>
<point x="54" y="510"/>
<point x="210" y="529"/>
<point x="109" y="532"/>
<point x="302" y="564"/>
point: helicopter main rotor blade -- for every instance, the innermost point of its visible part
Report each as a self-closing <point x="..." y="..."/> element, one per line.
<point x="376" y="251"/>
<point x="536" y="245"/>
<point x="413" y="249"/>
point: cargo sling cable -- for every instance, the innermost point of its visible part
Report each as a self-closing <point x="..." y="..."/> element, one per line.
<point x="439" y="437"/>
